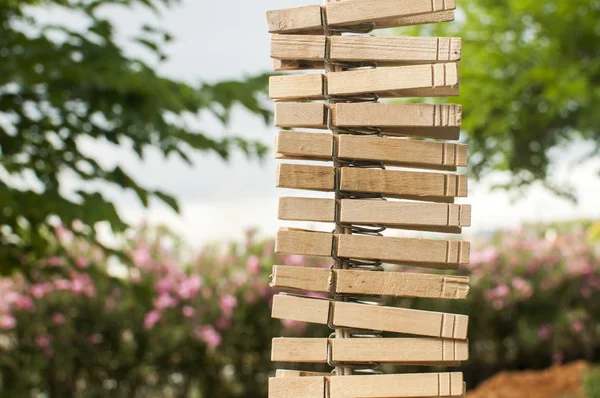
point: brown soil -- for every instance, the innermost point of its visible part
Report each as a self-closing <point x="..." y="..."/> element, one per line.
<point x="558" y="381"/>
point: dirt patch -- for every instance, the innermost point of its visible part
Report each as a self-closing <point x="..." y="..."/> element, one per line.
<point x="558" y="381"/>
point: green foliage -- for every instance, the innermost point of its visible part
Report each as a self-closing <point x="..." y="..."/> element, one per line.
<point x="160" y="328"/>
<point x="530" y="77"/>
<point x="61" y="87"/>
<point x="591" y="383"/>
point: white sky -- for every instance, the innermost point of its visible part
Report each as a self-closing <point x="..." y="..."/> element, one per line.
<point x="227" y="39"/>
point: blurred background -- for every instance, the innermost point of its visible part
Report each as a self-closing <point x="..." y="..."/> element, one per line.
<point x="137" y="199"/>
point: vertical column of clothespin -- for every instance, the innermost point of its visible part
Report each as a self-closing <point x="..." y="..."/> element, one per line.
<point x="339" y="229"/>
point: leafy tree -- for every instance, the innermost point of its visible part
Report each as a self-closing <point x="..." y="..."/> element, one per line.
<point x="59" y="86"/>
<point x="530" y="82"/>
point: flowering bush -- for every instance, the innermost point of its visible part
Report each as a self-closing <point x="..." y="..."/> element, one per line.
<point x="83" y="325"/>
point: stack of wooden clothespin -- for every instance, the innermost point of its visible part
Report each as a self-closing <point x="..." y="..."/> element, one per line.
<point x="372" y="151"/>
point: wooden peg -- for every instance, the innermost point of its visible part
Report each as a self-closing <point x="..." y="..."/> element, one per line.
<point x="308" y="19"/>
<point x="440" y="217"/>
<point x="371" y="283"/>
<point x="395" y="82"/>
<point x="402" y="81"/>
<point x="301" y="114"/>
<point x="382" y="50"/>
<point x="363" y="316"/>
<point x="439" y="121"/>
<point x="298" y="19"/>
<point x="391" y="183"/>
<point x="355" y="12"/>
<point x="429" y="253"/>
<point x="389" y="151"/>
<point x="373" y="386"/>
<point x="357" y="350"/>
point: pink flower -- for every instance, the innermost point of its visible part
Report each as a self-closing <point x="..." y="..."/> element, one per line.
<point x="189" y="288"/>
<point x="544" y="332"/>
<point x="82" y="262"/>
<point x="188" y="311"/>
<point x="58" y="318"/>
<point x="577" y="326"/>
<point x="165" y="285"/>
<point x="43" y="341"/>
<point x="151" y="319"/>
<point x="7" y="322"/>
<point x="227" y="304"/>
<point x="165" y="301"/>
<point x="294" y="259"/>
<point x="62" y="233"/>
<point x="40" y="290"/>
<point x="295" y="325"/>
<point x="141" y="257"/>
<point x="55" y="261"/>
<point x="208" y="335"/>
<point x="24" y="303"/>
<point x="523" y="287"/>
<point x="499" y="292"/>
<point x="62" y="284"/>
<point x="485" y="256"/>
<point x="82" y="284"/>
<point x="253" y="264"/>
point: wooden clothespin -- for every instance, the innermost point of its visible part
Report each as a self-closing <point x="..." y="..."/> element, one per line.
<point x="299" y="145"/>
<point x="406" y="350"/>
<point x="439" y="121"/>
<point x="429" y="253"/>
<point x="369" y="317"/>
<point x="397" y="82"/>
<point x="381" y="13"/>
<point x="439" y="217"/>
<point x="291" y="384"/>
<point x="399" y="284"/>
<point x="310" y="51"/>
<point x="391" y="183"/>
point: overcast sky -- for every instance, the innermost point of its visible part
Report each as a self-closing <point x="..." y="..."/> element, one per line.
<point x="228" y="39"/>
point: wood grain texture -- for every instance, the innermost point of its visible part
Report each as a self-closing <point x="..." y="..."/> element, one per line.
<point x="371" y="283"/>
<point x="395" y="50"/>
<point x="297" y="387"/>
<point x="308" y="243"/>
<point x="290" y="87"/>
<point x="301" y="114"/>
<point x="382" y="50"/>
<point x="306" y="209"/>
<point x="401" y="81"/>
<point x="440" y="121"/>
<point x="363" y="316"/>
<point x="355" y="12"/>
<point x="390" y="183"/>
<point x="398" y="385"/>
<point x="307" y="20"/>
<point x="297" y="19"/>
<point x="400" y="183"/>
<point x="356" y="350"/>
<point x="402" y="284"/>
<point x="373" y="386"/>
<point x="432" y="80"/>
<point x="430" y="253"/>
<point x="441" y="217"/>
<point x="293" y="144"/>
<point x="390" y="151"/>
<point x="299" y="176"/>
